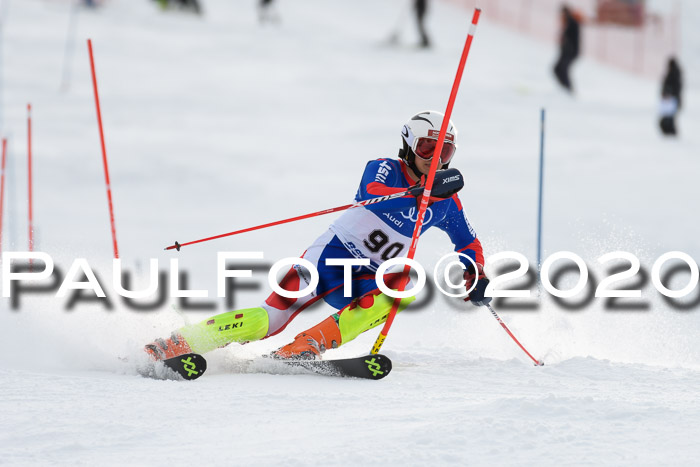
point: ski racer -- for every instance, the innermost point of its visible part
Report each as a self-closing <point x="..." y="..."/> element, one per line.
<point x="378" y="232"/>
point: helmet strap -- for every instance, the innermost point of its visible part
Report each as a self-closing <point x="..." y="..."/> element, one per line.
<point x="412" y="163"/>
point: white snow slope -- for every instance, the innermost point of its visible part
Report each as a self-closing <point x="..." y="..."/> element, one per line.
<point x="214" y="124"/>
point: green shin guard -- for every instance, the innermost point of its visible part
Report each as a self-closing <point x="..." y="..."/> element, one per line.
<point x="368" y="312"/>
<point x="235" y="326"/>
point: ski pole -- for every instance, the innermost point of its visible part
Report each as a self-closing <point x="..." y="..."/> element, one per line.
<point x="366" y="202"/>
<point x="429" y="182"/>
<point x="493" y="312"/>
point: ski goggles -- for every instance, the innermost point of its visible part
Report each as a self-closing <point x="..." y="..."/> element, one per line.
<point x="424" y="147"/>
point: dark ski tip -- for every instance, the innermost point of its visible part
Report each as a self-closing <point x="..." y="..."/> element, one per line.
<point x="189" y="366"/>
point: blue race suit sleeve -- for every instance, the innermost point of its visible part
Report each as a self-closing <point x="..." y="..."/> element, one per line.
<point x="461" y="233"/>
<point x="382" y="178"/>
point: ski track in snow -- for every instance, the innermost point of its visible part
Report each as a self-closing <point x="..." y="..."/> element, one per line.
<point x="216" y="123"/>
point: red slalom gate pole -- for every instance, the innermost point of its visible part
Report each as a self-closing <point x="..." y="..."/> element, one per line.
<point x="177" y="245"/>
<point x="493" y="312"/>
<point x="429" y="182"/>
<point x="2" y="186"/>
<point x="104" y="150"/>
<point x="29" y="172"/>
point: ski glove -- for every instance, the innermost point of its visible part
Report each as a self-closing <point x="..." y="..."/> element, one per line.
<point x="446" y="183"/>
<point x="477" y="295"/>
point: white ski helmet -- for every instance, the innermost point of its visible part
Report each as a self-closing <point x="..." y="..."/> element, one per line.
<point x="420" y="135"/>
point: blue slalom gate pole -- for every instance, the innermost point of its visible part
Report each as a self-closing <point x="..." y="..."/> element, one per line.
<point x="539" y="207"/>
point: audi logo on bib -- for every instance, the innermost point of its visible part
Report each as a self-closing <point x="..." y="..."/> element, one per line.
<point x="412" y="215"/>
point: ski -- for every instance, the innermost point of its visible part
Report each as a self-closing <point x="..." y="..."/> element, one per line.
<point x="366" y="367"/>
<point x="189" y="366"/>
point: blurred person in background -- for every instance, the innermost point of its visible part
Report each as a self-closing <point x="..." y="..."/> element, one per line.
<point x="670" y="98"/>
<point x="421" y="8"/>
<point x="569" y="46"/>
<point x="266" y="12"/>
<point x="188" y="5"/>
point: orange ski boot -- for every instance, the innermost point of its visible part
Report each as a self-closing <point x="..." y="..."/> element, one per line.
<point x="310" y="344"/>
<point x="164" y="349"/>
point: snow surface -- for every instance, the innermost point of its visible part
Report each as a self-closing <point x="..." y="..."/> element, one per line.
<point x="217" y="123"/>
